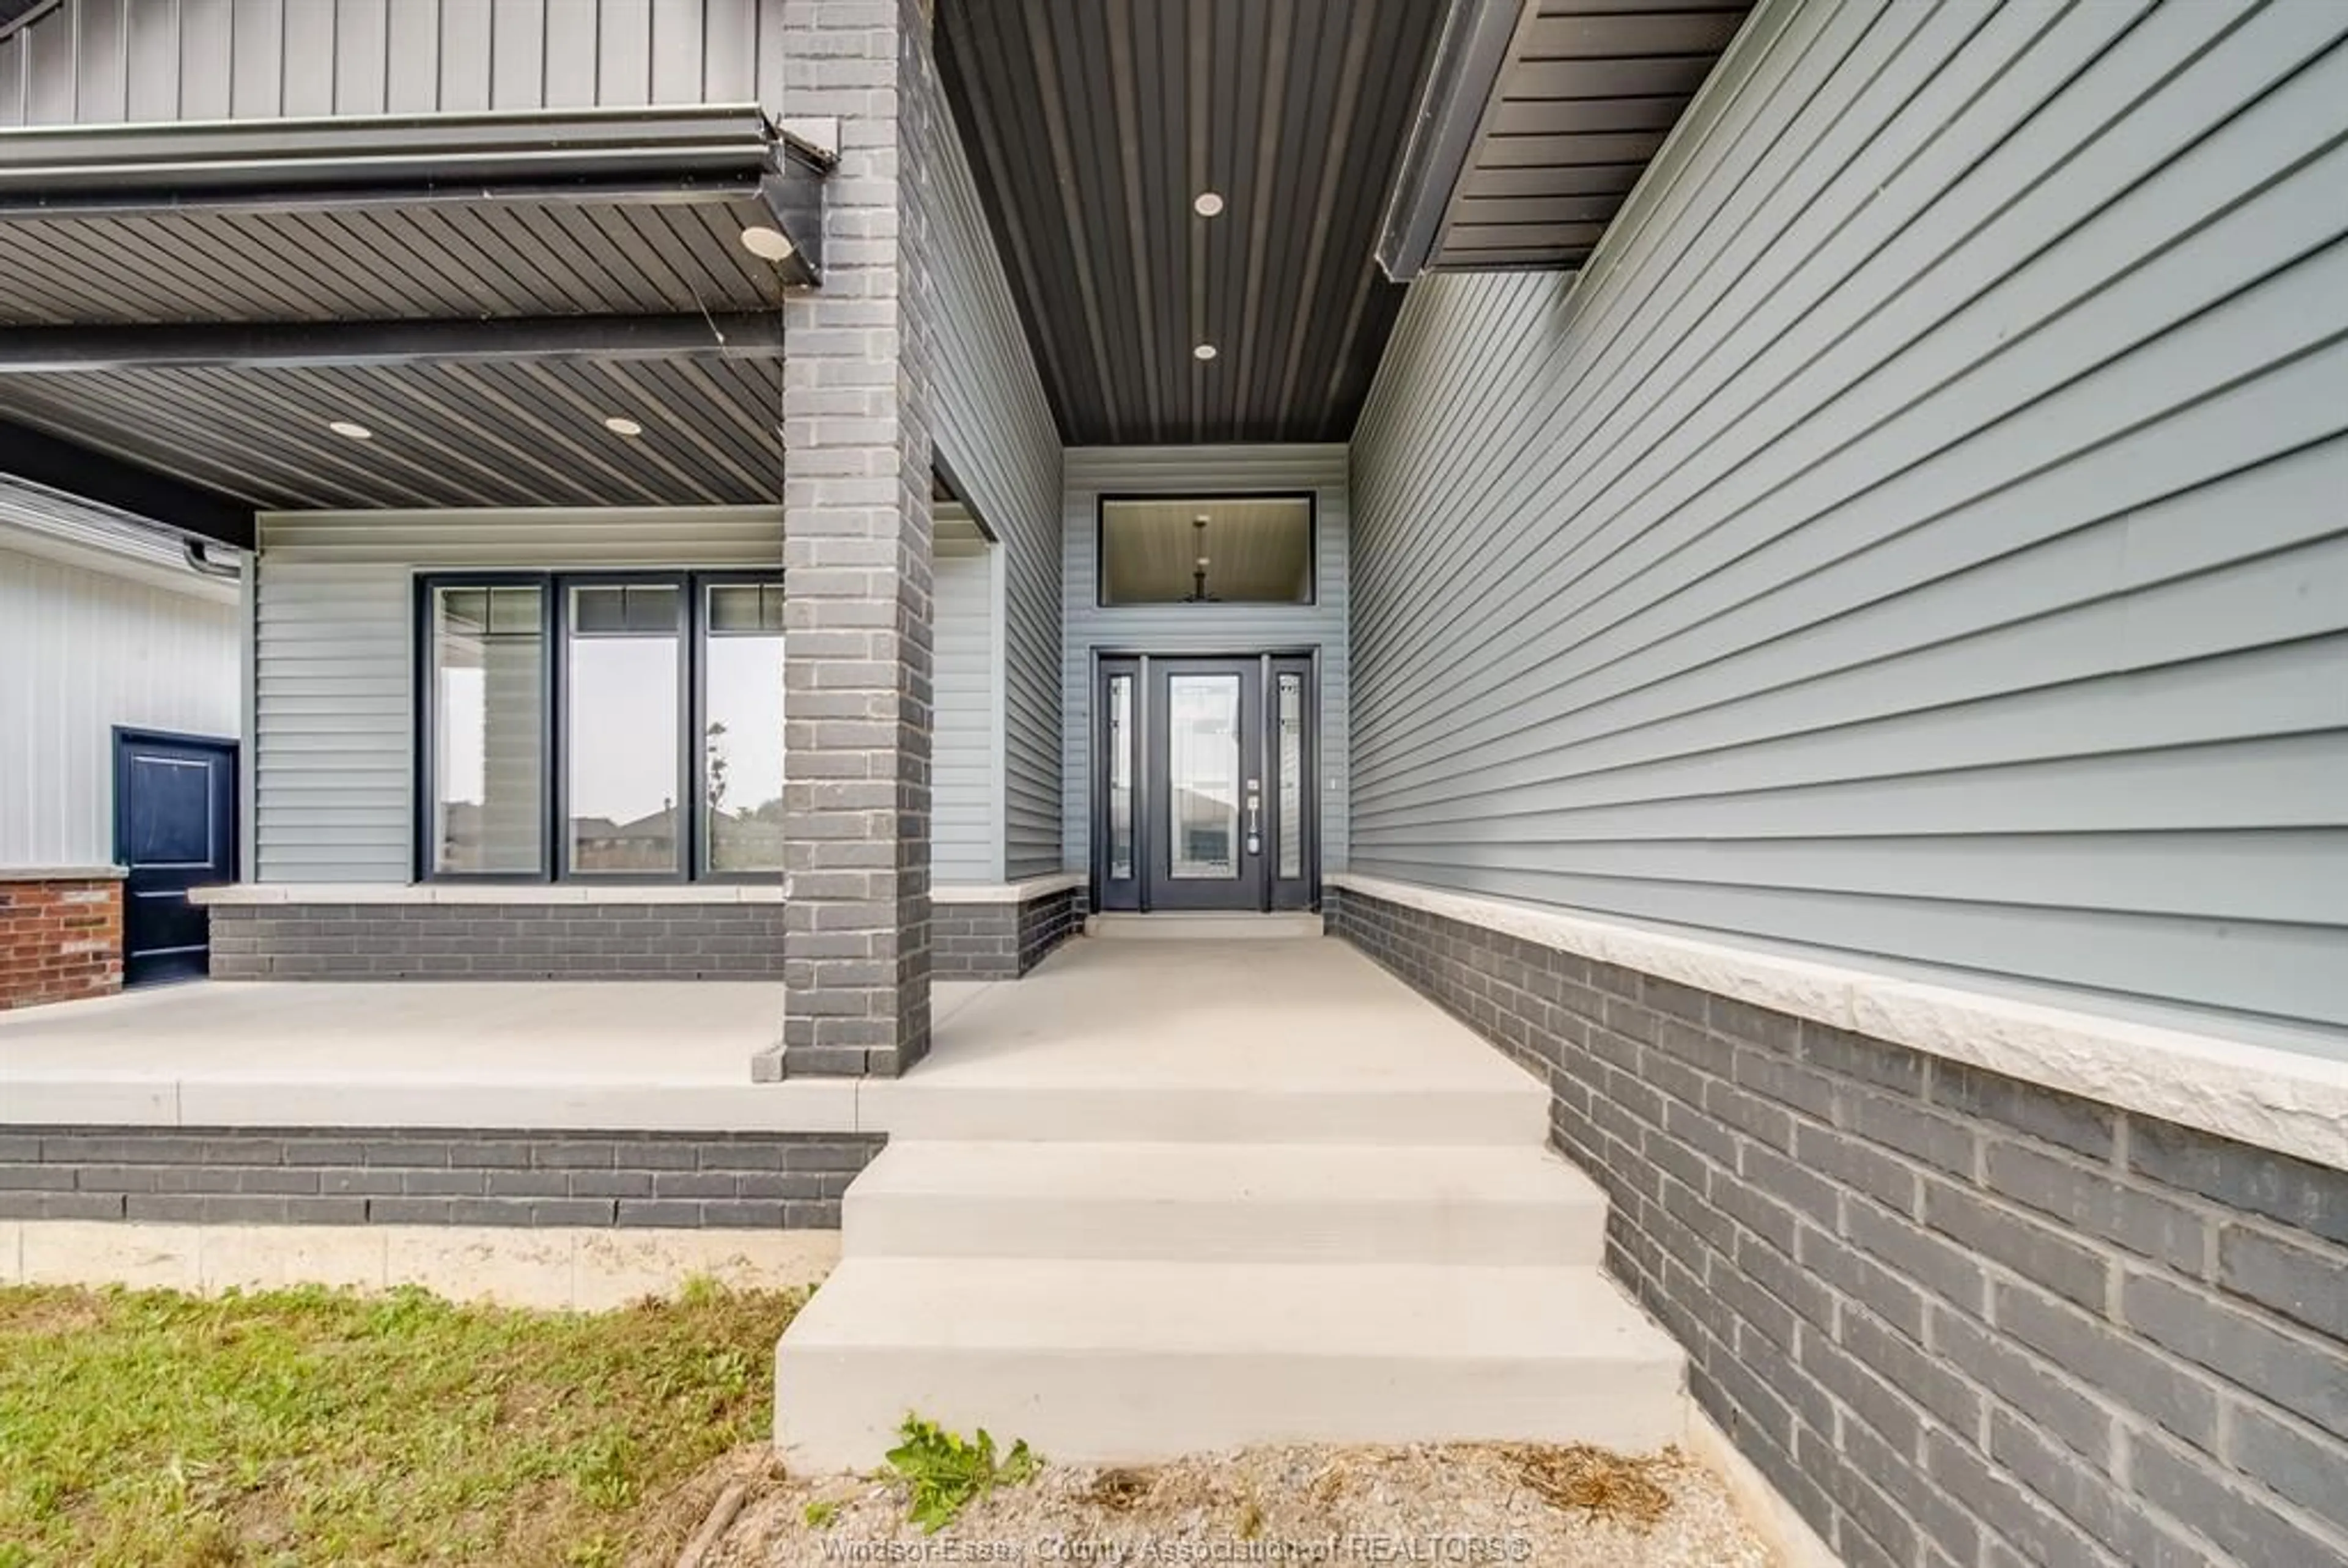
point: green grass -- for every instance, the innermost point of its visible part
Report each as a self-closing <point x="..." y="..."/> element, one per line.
<point x="153" y="1429"/>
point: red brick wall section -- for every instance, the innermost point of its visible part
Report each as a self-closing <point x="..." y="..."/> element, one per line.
<point x="59" y="940"/>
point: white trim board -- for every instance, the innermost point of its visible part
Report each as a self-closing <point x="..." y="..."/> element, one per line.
<point x="2285" y="1100"/>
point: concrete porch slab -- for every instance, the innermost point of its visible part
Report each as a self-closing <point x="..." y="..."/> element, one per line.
<point x="649" y="1056"/>
<point x="1302" y="1040"/>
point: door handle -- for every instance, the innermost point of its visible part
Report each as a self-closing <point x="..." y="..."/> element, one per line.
<point x="1254" y="823"/>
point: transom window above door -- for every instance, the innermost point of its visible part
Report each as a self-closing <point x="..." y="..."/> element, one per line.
<point x="619" y="726"/>
<point x="1206" y="550"/>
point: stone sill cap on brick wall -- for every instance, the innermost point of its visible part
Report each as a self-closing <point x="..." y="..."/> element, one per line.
<point x="62" y="874"/>
<point x="271" y="893"/>
<point x="1006" y="892"/>
<point x="2285" y="1100"/>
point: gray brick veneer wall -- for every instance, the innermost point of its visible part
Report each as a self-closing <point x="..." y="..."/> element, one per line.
<point x="1955" y="1318"/>
<point x="1046" y="923"/>
<point x="750" y="1181"/>
<point x="497" y="941"/>
<point x="1000" y="941"/>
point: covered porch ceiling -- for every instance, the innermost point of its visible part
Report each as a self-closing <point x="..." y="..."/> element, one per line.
<point x="1093" y="128"/>
<point x="504" y="310"/>
<point x="1540" y="117"/>
<point x="1327" y="137"/>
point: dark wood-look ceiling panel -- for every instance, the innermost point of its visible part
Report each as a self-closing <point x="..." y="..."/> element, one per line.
<point x="1630" y="149"/>
<point x="1566" y="32"/>
<point x="1588" y="92"/>
<point x="455" y="434"/>
<point x="548" y="255"/>
<point x="1093" y="124"/>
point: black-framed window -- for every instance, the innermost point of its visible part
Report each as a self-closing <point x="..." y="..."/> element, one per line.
<point x="1164" y="550"/>
<point x="600" y="726"/>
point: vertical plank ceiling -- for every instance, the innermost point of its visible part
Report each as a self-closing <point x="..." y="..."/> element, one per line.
<point x="1094" y="124"/>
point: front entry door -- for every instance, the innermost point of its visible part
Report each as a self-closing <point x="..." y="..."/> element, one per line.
<point x="174" y="828"/>
<point x="1204" y="772"/>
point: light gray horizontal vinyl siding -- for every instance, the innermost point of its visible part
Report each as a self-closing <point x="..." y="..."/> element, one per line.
<point x="1095" y="471"/>
<point x="334" y="656"/>
<point x="1918" y="533"/>
<point x="107" y="61"/>
<point x="996" y="431"/>
<point x="966" y="762"/>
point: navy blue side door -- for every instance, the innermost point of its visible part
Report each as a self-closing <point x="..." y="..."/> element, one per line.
<point x="174" y="828"/>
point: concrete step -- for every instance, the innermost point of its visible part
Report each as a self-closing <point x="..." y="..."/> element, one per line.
<point x="1098" y="1362"/>
<point x="1201" y="926"/>
<point x="1188" y="1202"/>
<point x="1502" y="1108"/>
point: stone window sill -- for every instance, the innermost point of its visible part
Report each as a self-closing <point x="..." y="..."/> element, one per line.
<point x="1006" y="892"/>
<point x="702" y="893"/>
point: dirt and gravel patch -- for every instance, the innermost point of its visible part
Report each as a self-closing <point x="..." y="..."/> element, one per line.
<point x="1456" y="1504"/>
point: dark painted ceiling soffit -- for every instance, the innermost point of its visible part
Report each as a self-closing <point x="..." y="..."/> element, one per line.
<point x="517" y="310"/>
<point x="502" y="214"/>
<point x="1094" y="124"/>
<point x="440" y="433"/>
<point x="1538" y="119"/>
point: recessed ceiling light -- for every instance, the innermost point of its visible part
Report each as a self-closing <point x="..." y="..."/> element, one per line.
<point x="618" y="425"/>
<point x="356" y="432"/>
<point x="1208" y="204"/>
<point x="772" y="244"/>
<point x="1204" y="351"/>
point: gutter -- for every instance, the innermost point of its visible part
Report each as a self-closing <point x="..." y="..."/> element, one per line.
<point x="37" y="520"/>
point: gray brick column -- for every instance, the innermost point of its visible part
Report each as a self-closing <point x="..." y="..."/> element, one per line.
<point x="856" y="553"/>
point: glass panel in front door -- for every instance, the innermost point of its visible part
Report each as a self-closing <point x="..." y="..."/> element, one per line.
<point x="1202" y="724"/>
<point x="1290" y="774"/>
<point x="1120" y="777"/>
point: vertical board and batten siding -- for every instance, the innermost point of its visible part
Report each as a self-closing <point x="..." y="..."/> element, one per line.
<point x="334" y="663"/>
<point x="81" y="651"/>
<point x="994" y="430"/>
<point x="965" y="751"/>
<point x="95" y="62"/>
<point x="1920" y="531"/>
<point x="1291" y="468"/>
